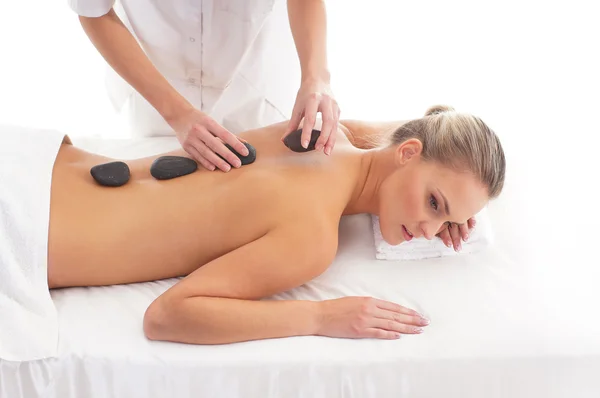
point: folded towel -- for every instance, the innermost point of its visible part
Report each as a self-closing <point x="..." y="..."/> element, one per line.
<point x="480" y="237"/>
<point x="28" y="319"/>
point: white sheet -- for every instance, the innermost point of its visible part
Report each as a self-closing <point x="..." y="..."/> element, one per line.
<point x="511" y="321"/>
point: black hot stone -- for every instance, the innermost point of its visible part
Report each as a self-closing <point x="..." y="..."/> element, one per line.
<point x="167" y="167"/>
<point x="113" y="174"/>
<point x="292" y="141"/>
<point x="244" y="159"/>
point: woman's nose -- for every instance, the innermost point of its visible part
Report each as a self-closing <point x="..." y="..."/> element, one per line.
<point x="430" y="229"/>
<point x="427" y="234"/>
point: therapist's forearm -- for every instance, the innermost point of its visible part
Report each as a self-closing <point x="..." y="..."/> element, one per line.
<point x="214" y="320"/>
<point x="123" y="53"/>
<point x="308" y="23"/>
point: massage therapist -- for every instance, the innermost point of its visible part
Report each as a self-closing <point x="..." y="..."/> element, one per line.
<point x="202" y="69"/>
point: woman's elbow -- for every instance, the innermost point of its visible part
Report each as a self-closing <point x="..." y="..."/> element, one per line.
<point x="158" y="319"/>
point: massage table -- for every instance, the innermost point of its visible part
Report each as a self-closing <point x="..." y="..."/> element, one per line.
<point x="517" y="319"/>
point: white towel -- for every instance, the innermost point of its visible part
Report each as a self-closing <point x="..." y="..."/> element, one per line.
<point x="481" y="236"/>
<point x="28" y="319"/>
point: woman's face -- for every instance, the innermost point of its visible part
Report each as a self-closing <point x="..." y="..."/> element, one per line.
<point x="419" y="197"/>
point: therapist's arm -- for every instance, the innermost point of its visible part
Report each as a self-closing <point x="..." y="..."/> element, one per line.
<point x="308" y="23"/>
<point x="123" y="53"/>
<point x="195" y="129"/>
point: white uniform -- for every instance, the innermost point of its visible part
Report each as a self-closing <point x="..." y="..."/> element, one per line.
<point x="232" y="59"/>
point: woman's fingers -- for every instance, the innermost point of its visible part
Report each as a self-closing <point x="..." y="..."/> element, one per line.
<point x="414" y="320"/>
<point x="452" y="234"/>
<point x="394" y="326"/>
<point x="464" y="231"/>
<point x="455" y="236"/>
<point x="358" y="317"/>
<point x="393" y="307"/>
<point x="390" y="325"/>
<point x="471" y="223"/>
<point x="380" y="334"/>
<point x="445" y="236"/>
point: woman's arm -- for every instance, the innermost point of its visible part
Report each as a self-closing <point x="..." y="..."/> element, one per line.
<point x="368" y="135"/>
<point x="216" y="303"/>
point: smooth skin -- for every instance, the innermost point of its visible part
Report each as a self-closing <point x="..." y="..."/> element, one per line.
<point x="308" y="22"/>
<point x="241" y="236"/>
<point x="199" y="134"/>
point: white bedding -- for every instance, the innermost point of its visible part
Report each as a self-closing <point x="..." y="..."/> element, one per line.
<point x="511" y="321"/>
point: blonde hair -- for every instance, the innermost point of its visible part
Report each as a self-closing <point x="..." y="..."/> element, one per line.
<point x="461" y="141"/>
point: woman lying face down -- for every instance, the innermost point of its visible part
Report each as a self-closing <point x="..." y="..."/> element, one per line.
<point x="268" y="227"/>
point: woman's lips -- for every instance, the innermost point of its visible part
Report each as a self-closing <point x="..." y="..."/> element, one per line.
<point x="407" y="235"/>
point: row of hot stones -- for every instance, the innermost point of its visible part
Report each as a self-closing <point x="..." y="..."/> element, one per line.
<point x="116" y="174"/>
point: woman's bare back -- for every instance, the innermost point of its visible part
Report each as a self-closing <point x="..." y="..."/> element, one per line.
<point x="150" y="230"/>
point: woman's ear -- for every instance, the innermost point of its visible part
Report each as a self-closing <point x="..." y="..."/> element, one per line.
<point x="410" y="149"/>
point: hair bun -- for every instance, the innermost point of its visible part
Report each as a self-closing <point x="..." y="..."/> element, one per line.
<point x="436" y="109"/>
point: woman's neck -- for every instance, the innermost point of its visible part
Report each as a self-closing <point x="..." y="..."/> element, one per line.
<point x="374" y="166"/>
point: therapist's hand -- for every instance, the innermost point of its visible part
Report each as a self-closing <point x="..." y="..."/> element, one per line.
<point x="452" y="233"/>
<point x="203" y="138"/>
<point x="313" y="97"/>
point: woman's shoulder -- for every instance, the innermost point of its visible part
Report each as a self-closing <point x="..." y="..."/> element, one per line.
<point x="310" y="227"/>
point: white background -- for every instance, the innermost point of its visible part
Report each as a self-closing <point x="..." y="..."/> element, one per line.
<point x="529" y="68"/>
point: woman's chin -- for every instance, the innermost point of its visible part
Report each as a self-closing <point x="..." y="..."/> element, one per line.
<point x="392" y="240"/>
<point x="391" y="237"/>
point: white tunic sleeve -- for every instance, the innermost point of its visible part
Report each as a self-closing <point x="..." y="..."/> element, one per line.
<point x="91" y="8"/>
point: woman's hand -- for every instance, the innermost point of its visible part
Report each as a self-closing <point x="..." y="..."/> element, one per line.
<point x="315" y="96"/>
<point x="203" y="138"/>
<point x="451" y="233"/>
<point x="366" y="317"/>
